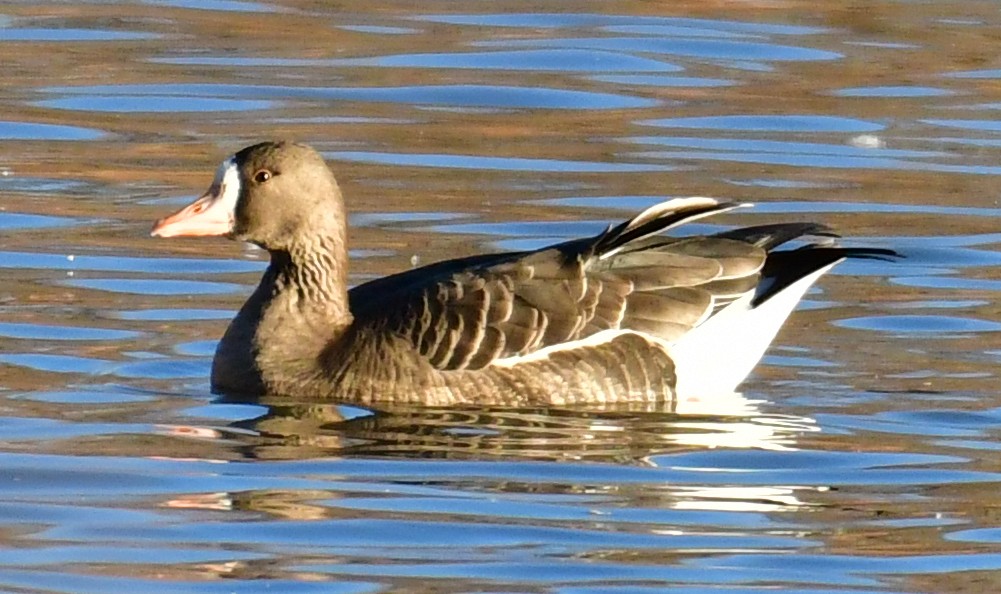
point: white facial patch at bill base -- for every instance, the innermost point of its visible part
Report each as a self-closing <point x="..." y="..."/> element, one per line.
<point x="227" y="179"/>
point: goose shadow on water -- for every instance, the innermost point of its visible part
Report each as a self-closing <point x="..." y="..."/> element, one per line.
<point x="631" y="434"/>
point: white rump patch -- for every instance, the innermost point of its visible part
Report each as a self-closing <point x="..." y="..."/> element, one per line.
<point x="714" y="358"/>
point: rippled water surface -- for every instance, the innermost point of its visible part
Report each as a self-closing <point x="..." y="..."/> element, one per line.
<point x="863" y="455"/>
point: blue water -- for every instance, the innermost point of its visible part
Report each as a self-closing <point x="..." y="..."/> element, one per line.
<point x="862" y="455"/>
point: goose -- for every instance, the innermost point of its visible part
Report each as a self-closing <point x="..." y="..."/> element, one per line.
<point x="628" y="315"/>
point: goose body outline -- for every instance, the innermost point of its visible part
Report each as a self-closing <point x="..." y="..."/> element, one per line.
<point x="628" y="315"/>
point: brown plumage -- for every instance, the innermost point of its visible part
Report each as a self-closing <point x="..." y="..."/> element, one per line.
<point x="594" y="320"/>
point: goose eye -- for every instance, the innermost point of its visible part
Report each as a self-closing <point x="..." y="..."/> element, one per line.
<point x="262" y="176"/>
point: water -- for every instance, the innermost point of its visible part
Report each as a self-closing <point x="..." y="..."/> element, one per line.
<point x="863" y="455"/>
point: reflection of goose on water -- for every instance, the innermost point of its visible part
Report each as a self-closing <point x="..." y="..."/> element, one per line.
<point x="631" y="434"/>
<point x="626" y="316"/>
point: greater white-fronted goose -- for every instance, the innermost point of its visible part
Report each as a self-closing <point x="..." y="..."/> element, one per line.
<point x="628" y="315"/>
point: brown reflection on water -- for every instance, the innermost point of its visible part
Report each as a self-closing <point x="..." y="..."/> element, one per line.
<point x="304" y="430"/>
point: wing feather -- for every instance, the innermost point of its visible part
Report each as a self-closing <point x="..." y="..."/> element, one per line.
<point x="468" y="313"/>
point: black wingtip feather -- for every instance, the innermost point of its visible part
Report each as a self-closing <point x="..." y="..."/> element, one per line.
<point x="769" y="237"/>
<point x="882" y="254"/>
<point x="788" y="266"/>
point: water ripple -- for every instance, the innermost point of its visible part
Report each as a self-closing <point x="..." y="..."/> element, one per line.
<point x="541" y="60"/>
<point x="490" y="163"/>
<point x="68" y="35"/>
<point x="31" y="131"/>
<point x="90" y="262"/>
<point x="182" y="98"/>
<point x="703" y="49"/>
<point x="924" y="324"/>
<point x="557" y="60"/>
<point x="583" y="20"/>
<point x="769" y="123"/>
<point x="148" y="286"/>
<point x="218" y="5"/>
<point x="47" y="332"/>
<point x="900" y="92"/>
